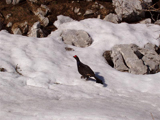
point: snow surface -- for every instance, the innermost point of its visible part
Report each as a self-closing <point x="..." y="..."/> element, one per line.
<point x="50" y="87"/>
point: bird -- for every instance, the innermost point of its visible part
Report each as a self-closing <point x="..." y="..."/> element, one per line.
<point x="85" y="70"/>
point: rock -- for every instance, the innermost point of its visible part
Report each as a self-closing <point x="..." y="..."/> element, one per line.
<point x="89" y="12"/>
<point x="150" y="57"/>
<point x="17" y="31"/>
<point x="79" y="13"/>
<point x="41" y="12"/>
<point x="35" y="31"/>
<point x="8" y="1"/>
<point x="152" y="60"/>
<point x="150" y="46"/>
<point x="131" y="60"/>
<point x="44" y="20"/>
<point x="8" y="16"/>
<point x="101" y="6"/>
<point x="107" y="56"/>
<point x="69" y="49"/>
<point x="99" y="16"/>
<point x="130" y="10"/>
<point x="62" y="19"/>
<point x="77" y="38"/>
<point x="136" y="60"/>
<point x="76" y="10"/>
<point x="146" y="21"/>
<point x="112" y="18"/>
<point x="157" y="22"/>
<point x="95" y="5"/>
<point x="34" y="1"/>
<point x="20" y="28"/>
<point x="14" y="2"/>
<point x="9" y="24"/>
<point x="118" y="60"/>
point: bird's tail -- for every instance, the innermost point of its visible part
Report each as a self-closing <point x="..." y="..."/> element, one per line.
<point x="98" y="80"/>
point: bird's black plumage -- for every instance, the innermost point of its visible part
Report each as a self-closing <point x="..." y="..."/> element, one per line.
<point x="85" y="70"/>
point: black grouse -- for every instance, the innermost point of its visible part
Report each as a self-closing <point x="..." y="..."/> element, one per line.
<point x="85" y="70"/>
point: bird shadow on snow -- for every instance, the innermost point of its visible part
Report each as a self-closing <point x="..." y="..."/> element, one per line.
<point x="100" y="77"/>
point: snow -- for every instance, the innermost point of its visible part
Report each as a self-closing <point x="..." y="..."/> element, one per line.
<point x="50" y="87"/>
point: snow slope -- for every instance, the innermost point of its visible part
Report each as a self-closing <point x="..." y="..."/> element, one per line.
<point x="50" y="87"/>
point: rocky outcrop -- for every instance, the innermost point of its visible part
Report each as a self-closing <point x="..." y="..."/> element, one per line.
<point x="124" y="57"/>
<point x="132" y="59"/>
<point x="130" y="10"/>
<point x="77" y="38"/>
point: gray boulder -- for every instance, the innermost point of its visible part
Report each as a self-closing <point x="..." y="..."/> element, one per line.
<point x="118" y="60"/>
<point x="130" y="10"/>
<point x="77" y="38"/>
<point x="136" y="60"/>
<point x="150" y="57"/>
<point x="129" y="58"/>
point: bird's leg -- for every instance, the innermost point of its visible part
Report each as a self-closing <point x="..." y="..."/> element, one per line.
<point x="87" y="77"/>
<point x="82" y="77"/>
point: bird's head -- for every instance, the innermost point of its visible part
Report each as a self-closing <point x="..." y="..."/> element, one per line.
<point x="76" y="57"/>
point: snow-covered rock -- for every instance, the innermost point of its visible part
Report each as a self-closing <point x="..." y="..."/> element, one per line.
<point x="79" y="38"/>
